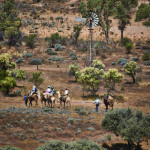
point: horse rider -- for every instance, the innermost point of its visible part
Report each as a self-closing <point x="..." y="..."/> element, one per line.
<point x="97" y="101"/>
<point x="33" y="91"/>
<point x="48" y="89"/>
<point x="65" y="94"/>
<point x="52" y="91"/>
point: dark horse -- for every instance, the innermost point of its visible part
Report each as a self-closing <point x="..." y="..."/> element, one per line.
<point x="108" y="102"/>
<point x="31" y="98"/>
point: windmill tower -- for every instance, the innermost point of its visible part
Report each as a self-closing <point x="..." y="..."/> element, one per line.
<point x="90" y="22"/>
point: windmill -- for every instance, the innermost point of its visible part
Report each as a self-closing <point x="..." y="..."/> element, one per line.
<point x="91" y="22"/>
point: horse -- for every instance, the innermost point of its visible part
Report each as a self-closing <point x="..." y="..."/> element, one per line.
<point x="31" y="98"/>
<point x="108" y="101"/>
<point x="65" y="100"/>
<point x="49" y="98"/>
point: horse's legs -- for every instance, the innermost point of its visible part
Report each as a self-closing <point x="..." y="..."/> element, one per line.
<point x="60" y="103"/>
<point x="64" y="104"/>
<point x="106" y="107"/>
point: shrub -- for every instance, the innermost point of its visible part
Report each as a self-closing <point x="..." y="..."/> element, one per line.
<point x="19" y="61"/>
<point x="146" y="57"/>
<point x="147" y="63"/>
<point x="30" y="40"/>
<point x="9" y="148"/>
<point x="122" y="61"/>
<point x="36" y="79"/>
<point x="129" y="47"/>
<point x="20" y="74"/>
<point x="72" y="70"/>
<point x="58" y="47"/>
<point x="73" y="56"/>
<point x="27" y="55"/>
<point x="126" y="40"/>
<point x="52" y="53"/>
<point x="132" y="127"/>
<point x="0" y="46"/>
<point x="55" y="58"/>
<point x="113" y="63"/>
<point x="135" y="59"/>
<point x="48" y="50"/>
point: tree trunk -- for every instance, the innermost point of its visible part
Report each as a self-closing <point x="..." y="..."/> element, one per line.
<point x="37" y="67"/>
<point x="122" y="35"/>
<point x="107" y="35"/>
<point x="129" y="146"/>
<point x="133" y="78"/>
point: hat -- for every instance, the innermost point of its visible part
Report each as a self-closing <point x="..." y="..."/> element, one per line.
<point x="66" y="89"/>
<point x="49" y="86"/>
<point x="109" y="97"/>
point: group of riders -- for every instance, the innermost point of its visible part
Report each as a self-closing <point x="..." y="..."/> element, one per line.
<point x="50" y="91"/>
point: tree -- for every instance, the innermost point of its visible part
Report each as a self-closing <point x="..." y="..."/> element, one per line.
<point x="90" y="78"/>
<point x="52" y="40"/>
<point x="131" y="69"/>
<point x="103" y="8"/>
<point x="132" y="127"/>
<point x="73" y="69"/>
<point x="98" y="64"/>
<point x="36" y="61"/>
<point x="143" y="14"/>
<point x="9" y="148"/>
<point x="111" y="78"/>
<point x="122" y="13"/>
<point x="30" y="40"/>
<point x="36" y="79"/>
<point x="6" y="83"/>
<point x="9" y="22"/>
<point x="129" y="47"/>
<point x="77" y="29"/>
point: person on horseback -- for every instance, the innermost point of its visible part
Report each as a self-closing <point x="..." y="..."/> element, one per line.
<point x="97" y="102"/>
<point x="48" y="89"/>
<point x="52" y="91"/>
<point x="33" y="91"/>
<point x="66" y="93"/>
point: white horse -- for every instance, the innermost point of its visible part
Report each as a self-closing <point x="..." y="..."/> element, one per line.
<point x="65" y="100"/>
<point x="49" y="98"/>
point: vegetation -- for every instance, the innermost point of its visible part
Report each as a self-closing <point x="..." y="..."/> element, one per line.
<point x="36" y="61"/>
<point x="30" y="40"/>
<point x="53" y="39"/>
<point x="6" y="82"/>
<point x="143" y="14"/>
<point x="77" y="30"/>
<point x="80" y="144"/>
<point x="111" y="78"/>
<point x="90" y="77"/>
<point x="20" y="75"/>
<point x="132" y="127"/>
<point x="122" y="13"/>
<point x="131" y="69"/>
<point x="9" y="22"/>
<point x="36" y="79"/>
<point x="146" y="56"/>
<point x="73" y="71"/>
<point x="9" y="148"/>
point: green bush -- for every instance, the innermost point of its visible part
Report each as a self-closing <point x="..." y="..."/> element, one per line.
<point x="20" y="75"/>
<point x="79" y="145"/>
<point x="129" y="47"/>
<point x="0" y="46"/>
<point x="126" y="40"/>
<point x="9" y="148"/>
<point x="73" y="56"/>
<point x="55" y="58"/>
<point x="135" y="59"/>
<point x="27" y="55"/>
<point x="36" y="61"/>
<point x="146" y="57"/>
<point x="30" y="40"/>
<point x="19" y="61"/>
<point x="52" y="53"/>
<point x="58" y="47"/>
<point x="147" y="63"/>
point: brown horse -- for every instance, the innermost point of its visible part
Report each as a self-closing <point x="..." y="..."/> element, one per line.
<point x="31" y="98"/>
<point x="108" y="101"/>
